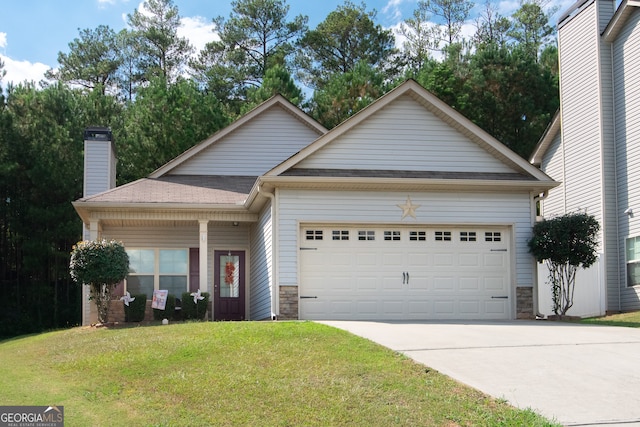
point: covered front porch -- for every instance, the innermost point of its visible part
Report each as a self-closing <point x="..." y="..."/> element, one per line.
<point x="182" y="253"/>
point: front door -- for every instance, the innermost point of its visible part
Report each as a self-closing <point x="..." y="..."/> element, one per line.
<point x="228" y="285"/>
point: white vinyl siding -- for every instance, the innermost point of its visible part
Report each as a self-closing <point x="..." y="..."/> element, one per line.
<point x="609" y="220"/>
<point x="626" y="71"/>
<point x="99" y="167"/>
<point x="460" y="208"/>
<point x="261" y="266"/>
<point x="605" y="13"/>
<point x="427" y="144"/>
<point x="253" y="149"/>
<point x="581" y="116"/>
<point x="553" y="165"/>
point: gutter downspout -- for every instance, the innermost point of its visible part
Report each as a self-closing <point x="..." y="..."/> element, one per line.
<point x="275" y="300"/>
<point x="536" y="304"/>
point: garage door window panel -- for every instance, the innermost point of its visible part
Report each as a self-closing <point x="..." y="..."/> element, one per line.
<point x="467" y="236"/>
<point x="314" y="235"/>
<point x="418" y="236"/>
<point x="492" y="236"/>
<point x="366" y="235"/>
<point x="340" y="235"/>
<point x="443" y="236"/>
<point x="392" y="235"/>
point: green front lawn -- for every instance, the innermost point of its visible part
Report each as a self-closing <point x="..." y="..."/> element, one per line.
<point x="237" y="373"/>
<point x="631" y="320"/>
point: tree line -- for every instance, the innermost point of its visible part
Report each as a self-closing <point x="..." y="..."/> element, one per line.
<point x="160" y="97"/>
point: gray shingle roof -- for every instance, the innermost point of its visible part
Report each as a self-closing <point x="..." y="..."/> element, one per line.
<point x="180" y="189"/>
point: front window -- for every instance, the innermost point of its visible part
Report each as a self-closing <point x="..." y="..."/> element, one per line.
<point x="141" y="271"/>
<point x="174" y="267"/>
<point x="633" y="261"/>
<point x="155" y="269"/>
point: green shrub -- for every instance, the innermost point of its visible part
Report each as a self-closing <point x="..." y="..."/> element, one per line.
<point x="169" y="309"/>
<point x="99" y="264"/>
<point x="191" y="310"/>
<point x="134" y="312"/>
<point x="566" y="243"/>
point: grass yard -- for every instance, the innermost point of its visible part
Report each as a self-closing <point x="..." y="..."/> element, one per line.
<point x="237" y="373"/>
<point x="631" y="320"/>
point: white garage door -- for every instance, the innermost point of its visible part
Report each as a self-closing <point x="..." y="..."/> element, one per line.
<point x="388" y="273"/>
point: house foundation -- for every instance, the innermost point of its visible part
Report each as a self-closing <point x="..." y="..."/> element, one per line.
<point x="116" y="311"/>
<point x="524" y="303"/>
<point x="288" y="303"/>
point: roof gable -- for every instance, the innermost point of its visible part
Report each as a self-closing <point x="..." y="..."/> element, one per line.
<point x="251" y="145"/>
<point x="409" y="129"/>
<point x="622" y="15"/>
<point x="550" y="133"/>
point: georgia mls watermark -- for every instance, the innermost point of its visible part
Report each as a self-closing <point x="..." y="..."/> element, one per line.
<point x="31" y="416"/>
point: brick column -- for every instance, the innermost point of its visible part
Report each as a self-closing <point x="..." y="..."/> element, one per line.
<point x="524" y="303"/>
<point x="288" y="302"/>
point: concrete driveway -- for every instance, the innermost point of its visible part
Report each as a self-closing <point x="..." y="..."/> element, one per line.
<point x="575" y="374"/>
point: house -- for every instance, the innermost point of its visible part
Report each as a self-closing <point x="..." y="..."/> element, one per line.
<point x="592" y="145"/>
<point x="407" y="210"/>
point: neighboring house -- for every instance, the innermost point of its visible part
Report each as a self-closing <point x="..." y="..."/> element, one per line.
<point x="406" y="210"/>
<point x="592" y="145"/>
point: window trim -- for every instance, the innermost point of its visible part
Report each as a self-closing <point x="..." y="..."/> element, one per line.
<point x="628" y="262"/>
<point x="156" y="273"/>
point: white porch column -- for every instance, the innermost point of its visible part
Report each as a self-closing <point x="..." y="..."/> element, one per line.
<point x="89" y="309"/>
<point x="94" y="229"/>
<point x="204" y="254"/>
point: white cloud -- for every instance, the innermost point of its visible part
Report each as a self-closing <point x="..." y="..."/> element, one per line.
<point x="198" y="30"/>
<point x="507" y="7"/>
<point x="392" y="8"/>
<point x="3" y="40"/>
<point x="19" y="71"/>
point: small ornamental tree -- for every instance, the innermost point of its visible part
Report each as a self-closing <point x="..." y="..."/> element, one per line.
<point x="100" y="264"/>
<point x="567" y="243"/>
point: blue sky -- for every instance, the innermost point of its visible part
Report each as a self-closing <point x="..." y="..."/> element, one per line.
<point x="32" y="32"/>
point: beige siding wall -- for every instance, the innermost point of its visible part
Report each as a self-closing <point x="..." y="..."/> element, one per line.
<point x="262" y="280"/>
<point x="459" y="208"/>
<point x="626" y="69"/>
<point x="253" y="149"/>
<point x="428" y="144"/>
